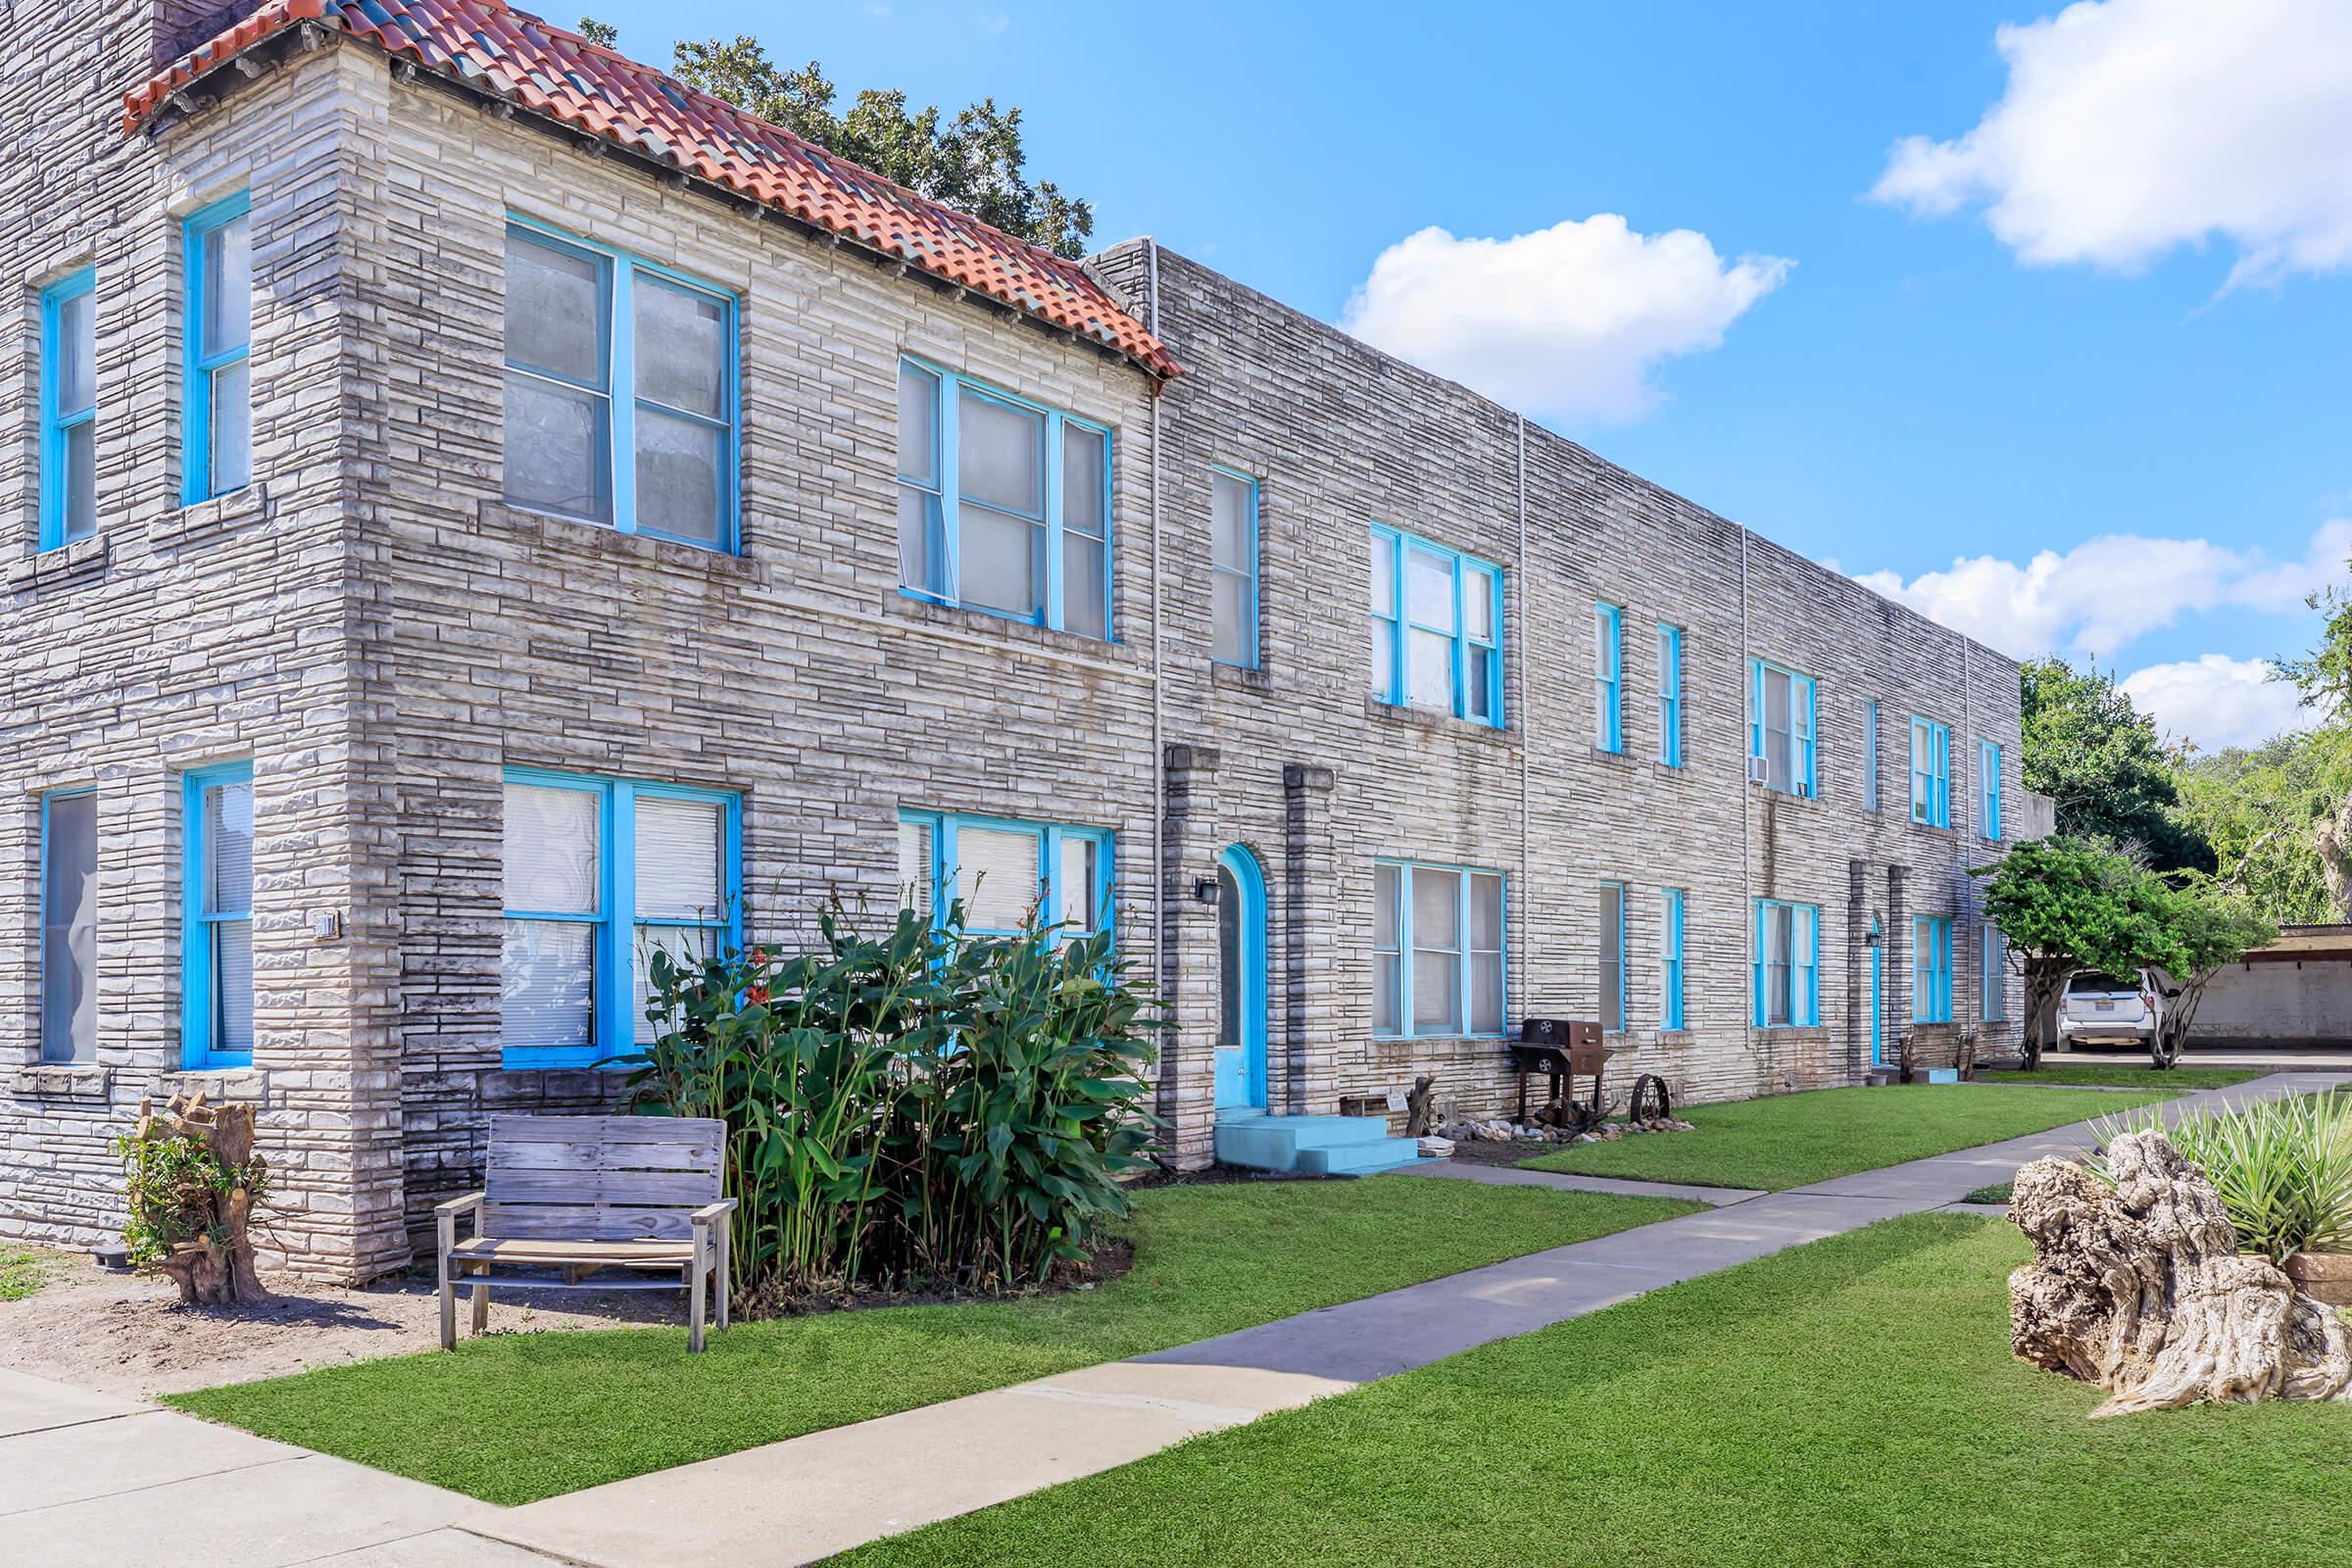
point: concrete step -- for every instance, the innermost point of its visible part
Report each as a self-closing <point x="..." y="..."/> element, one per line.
<point x="1283" y="1142"/>
<point x="1360" y="1160"/>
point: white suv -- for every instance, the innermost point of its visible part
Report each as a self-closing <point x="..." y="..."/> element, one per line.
<point x="2099" y="1010"/>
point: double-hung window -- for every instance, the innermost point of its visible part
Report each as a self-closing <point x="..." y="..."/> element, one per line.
<point x="1233" y="566"/>
<point x="217" y="916"/>
<point x="1930" y="969"/>
<point x="1930" y="772"/>
<point x="217" y="381"/>
<point x="1779" y="728"/>
<point x="1670" y="696"/>
<point x="1612" y="956"/>
<point x="1608" y="677"/>
<point x="1670" y="959"/>
<point x="620" y="391"/>
<point x="599" y="873"/>
<point x="1005" y="873"/>
<point x="70" y="409"/>
<point x="1870" y="754"/>
<point x="69" y="926"/>
<point x="1989" y="790"/>
<point x="1788" y="982"/>
<point x="1003" y="504"/>
<point x="1437" y="950"/>
<point x="1992" y="973"/>
<point x="1437" y="618"/>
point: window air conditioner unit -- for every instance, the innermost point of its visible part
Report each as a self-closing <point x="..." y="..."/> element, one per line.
<point x="1758" y="770"/>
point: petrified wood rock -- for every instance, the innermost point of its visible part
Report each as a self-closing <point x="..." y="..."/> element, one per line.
<point x="2141" y="1288"/>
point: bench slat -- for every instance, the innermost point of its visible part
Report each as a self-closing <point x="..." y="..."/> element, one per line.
<point x="648" y="1255"/>
<point x="510" y="1128"/>
<point x="631" y="1189"/>
<point x="699" y="1155"/>
<point x="565" y="1221"/>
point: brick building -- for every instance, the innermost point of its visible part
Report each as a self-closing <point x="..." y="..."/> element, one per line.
<point x="482" y="510"/>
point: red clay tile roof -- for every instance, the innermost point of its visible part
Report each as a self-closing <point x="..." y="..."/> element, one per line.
<point x="490" y="46"/>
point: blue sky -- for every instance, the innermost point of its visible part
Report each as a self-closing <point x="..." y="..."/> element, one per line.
<point x="2070" y="312"/>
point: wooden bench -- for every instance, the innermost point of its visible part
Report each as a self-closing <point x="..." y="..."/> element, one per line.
<point x="569" y="1197"/>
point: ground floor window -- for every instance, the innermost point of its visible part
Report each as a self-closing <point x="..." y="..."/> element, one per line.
<point x="1932" y="969"/>
<point x="216" y="917"/>
<point x="1994" y="973"/>
<point x="601" y="874"/>
<point x="1437" y="950"/>
<point x="1004" y="872"/>
<point x="1788" y="978"/>
<point x="1670" y="959"/>
<point x="69" y="926"/>
<point x="1612" y="956"/>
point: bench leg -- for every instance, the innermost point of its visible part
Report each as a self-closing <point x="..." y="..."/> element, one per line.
<point x="693" y="1297"/>
<point x="481" y="1301"/>
<point x="449" y="1306"/>
<point x="727" y="1245"/>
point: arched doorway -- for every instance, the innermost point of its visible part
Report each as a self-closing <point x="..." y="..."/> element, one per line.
<point x="1241" y="981"/>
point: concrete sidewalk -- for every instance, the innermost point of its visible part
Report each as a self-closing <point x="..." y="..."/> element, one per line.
<point x="85" y="1479"/>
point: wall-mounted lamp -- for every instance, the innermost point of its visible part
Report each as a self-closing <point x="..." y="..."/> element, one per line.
<point x="1204" y="890"/>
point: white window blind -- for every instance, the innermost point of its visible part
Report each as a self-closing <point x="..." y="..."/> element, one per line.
<point x="995" y="877"/>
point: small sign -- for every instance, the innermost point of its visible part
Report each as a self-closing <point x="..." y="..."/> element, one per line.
<point x="1396" y="1100"/>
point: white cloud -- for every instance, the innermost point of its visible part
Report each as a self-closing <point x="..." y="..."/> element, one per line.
<point x="2129" y="127"/>
<point x="1566" y="322"/>
<point x="2217" y="701"/>
<point x="2104" y="594"/>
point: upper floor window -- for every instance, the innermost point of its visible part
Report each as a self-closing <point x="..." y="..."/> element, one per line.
<point x="216" y="393"/>
<point x="1670" y="959"/>
<point x="1989" y="787"/>
<point x="1780" y="728"/>
<point x="1788" y="964"/>
<point x="1612" y="956"/>
<point x="1608" y="679"/>
<point x="1870" y="754"/>
<point x="1930" y="772"/>
<point x="69" y="926"/>
<point x="70" y="409"/>
<point x="1437" y="617"/>
<point x="620" y="391"/>
<point x="1437" y="950"/>
<point x="1003" y="504"/>
<point x="1233" y="566"/>
<point x="217" y="916"/>
<point x="1005" y="872"/>
<point x="599" y="874"/>
<point x="1930" y="969"/>
<point x="1670" y="696"/>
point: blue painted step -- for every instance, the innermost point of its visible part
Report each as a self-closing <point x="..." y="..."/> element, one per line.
<point x="1351" y="1146"/>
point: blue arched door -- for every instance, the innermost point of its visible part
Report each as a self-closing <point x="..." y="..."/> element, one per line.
<point x="1241" y="981"/>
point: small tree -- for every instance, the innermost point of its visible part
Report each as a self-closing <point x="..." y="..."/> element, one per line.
<point x="2203" y="928"/>
<point x="2065" y="904"/>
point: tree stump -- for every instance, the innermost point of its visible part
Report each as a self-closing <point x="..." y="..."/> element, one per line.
<point x="2139" y="1289"/>
<point x="212" y="1259"/>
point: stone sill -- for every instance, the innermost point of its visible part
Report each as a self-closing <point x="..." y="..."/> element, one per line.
<point x="1014" y="635"/>
<point x="206" y="520"/>
<point x="1434" y="723"/>
<point x="596" y="540"/>
<point x="62" y="1080"/>
<point x="1240" y="678"/>
<point x="242" y="1084"/>
<point x="85" y="560"/>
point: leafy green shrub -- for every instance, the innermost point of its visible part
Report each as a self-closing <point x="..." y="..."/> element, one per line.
<point x="927" y="1107"/>
<point x="173" y="1193"/>
<point x="2282" y="1167"/>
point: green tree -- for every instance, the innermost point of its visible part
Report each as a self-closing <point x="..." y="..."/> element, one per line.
<point x="974" y="163"/>
<point x="2099" y="758"/>
<point x="2066" y="904"/>
<point x="2258" y="806"/>
<point x="2198" y="929"/>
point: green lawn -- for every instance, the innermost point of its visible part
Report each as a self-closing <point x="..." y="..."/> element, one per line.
<point x="21" y="1273"/>
<point x="514" y="1417"/>
<point x="2130" y="1074"/>
<point x="1784" y="1141"/>
<point x="1849" y="1405"/>
<point x="1990" y="1194"/>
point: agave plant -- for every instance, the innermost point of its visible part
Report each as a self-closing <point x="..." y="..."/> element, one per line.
<point x="2282" y="1167"/>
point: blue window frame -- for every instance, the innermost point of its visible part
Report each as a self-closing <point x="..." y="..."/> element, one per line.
<point x="621" y="396"/>
<point x="1612" y="956"/>
<point x="1437" y="950"/>
<point x="1005" y="870"/>
<point x="1003" y="504"/>
<point x="69" y="926"/>
<point x="1992" y="974"/>
<point x="1788" y="977"/>
<point x="216" y="383"/>
<point x="1989" y="786"/>
<point x="1930" y="969"/>
<point x="1608" y="677"/>
<point x="1781" y="726"/>
<point x="1670" y="959"/>
<point x="70" y="409"/>
<point x="1670" y="696"/>
<point x="216" y="836"/>
<point x="1930" y="772"/>
<point x="1870" y="754"/>
<point x="1437" y="625"/>
<point x="599" y="873"/>
<point x="1233" y="566"/>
